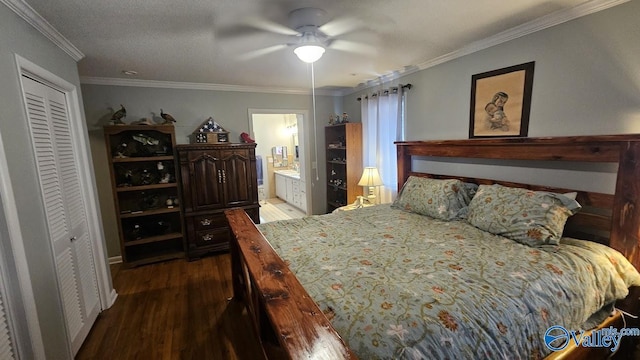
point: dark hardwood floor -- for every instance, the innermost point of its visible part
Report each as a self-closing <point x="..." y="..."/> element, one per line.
<point x="173" y="310"/>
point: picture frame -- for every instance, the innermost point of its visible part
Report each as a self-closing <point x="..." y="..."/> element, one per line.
<point x="501" y="102"/>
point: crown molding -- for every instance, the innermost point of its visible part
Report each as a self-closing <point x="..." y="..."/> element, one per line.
<point x="553" y="19"/>
<point x="26" y="12"/>
<point x="200" y="86"/>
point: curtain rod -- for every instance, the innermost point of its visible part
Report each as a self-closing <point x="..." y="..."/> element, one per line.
<point x="407" y="86"/>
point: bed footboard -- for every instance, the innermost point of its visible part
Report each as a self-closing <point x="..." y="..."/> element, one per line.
<point x="287" y="321"/>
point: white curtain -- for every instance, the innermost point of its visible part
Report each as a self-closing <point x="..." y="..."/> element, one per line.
<point x="382" y="121"/>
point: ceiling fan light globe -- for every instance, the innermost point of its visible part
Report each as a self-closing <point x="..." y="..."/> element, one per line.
<point x="309" y="53"/>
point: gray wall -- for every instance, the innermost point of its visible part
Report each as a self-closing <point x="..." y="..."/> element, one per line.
<point x="190" y="108"/>
<point x="587" y="82"/>
<point x="18" y="37"/>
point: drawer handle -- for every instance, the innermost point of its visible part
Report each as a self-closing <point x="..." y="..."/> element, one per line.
<point x="205" y="222"/>
<point x="207" y="237"/>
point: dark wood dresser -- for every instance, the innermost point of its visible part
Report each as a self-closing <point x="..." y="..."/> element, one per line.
<point x="215" y="177"/>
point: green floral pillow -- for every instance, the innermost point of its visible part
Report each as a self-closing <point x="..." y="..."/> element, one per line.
<point x="533" y="218"/>
<point x="440" y="199"/>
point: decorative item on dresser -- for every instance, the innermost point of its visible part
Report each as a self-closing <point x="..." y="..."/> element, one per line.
<point x="145" y="192"/>
<point x="344" y="163"/>
<point x="209" y="132"/>
<point x="215" y="177"/>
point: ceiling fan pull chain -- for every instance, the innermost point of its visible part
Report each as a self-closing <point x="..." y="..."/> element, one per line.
<point x="315" y="129"/>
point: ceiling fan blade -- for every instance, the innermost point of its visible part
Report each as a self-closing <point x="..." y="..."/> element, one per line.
<point x="268" y="25"/>
<point x="341" y="26"/>
<point x="261" y="52"/>
<point x="352" y="46"/>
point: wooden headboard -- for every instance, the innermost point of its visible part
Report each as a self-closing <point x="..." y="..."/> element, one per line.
<point x="617" y="215"/>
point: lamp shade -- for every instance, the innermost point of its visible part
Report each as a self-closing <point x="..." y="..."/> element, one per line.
<point x="309" y="53"/>
<point x="370" y="177"/>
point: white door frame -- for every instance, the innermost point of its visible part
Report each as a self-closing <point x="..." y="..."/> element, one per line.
<point x="303" y="143"/>
<point x="79" y="130"/>
<point x="10" y="210"/>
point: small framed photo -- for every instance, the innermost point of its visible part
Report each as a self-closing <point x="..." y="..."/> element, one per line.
<point x="501" y="102"/>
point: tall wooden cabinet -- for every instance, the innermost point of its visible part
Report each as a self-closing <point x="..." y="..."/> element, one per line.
<point x="215" y="177"/>
<point x="145" y="191"/>
<point x="344" y="163"/>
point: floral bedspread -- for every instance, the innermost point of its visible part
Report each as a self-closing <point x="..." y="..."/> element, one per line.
<point x="400" y="285"/>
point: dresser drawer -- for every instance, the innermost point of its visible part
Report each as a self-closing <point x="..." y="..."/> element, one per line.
<point x="211" y="221"/>
<point x="212" y="237"/>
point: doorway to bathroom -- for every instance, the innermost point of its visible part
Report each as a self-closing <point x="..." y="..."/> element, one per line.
<point x="282" y="158"/>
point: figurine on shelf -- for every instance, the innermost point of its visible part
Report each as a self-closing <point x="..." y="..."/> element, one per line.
<point x="168" y="119"/>
<point x="246" y="138"/>
<point x="128" y="178"/>
<point x="145" y="177"/>
<point x="124" y="176"/>
<point x="161" y="227"/>
<point x="172" y="201"/>
<point x="149" y="201"/>
<point x="145" y="139"/>
<point x="136" y="232"/>
<point x="116" y="118"/>
<point x="121" y="151"/>
<point x="345" y="117"/>
<point x="332" y="120"/>
<point x="165" y="177"/>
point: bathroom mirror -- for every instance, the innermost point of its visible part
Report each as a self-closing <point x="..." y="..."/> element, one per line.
<point x="279" y="154"/>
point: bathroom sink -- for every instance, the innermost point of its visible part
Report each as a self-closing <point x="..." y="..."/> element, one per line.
<point x="288" y="172"/>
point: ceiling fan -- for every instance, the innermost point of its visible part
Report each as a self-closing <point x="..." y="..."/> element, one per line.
<point x="310" y="34"/>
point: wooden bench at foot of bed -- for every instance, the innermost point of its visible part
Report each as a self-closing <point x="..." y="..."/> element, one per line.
<point x="287" y="321"/>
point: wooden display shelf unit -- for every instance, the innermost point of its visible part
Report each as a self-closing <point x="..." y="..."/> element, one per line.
<point x="343" y="163"/>
<point x="144" y="179"/>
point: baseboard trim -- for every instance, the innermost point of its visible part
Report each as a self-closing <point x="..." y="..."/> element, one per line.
<point x="113" y="297"/>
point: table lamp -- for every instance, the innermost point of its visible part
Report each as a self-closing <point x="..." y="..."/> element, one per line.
<point x="370" y="179"/>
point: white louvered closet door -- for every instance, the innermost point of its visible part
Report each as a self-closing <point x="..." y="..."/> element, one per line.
<point x="7" y="347"/>
<point x="64" y="206"/>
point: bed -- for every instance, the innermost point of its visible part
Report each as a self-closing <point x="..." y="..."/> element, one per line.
<point x="389" y="315"/>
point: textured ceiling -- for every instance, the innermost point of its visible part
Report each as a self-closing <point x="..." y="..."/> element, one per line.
<point x="209" y="41"/>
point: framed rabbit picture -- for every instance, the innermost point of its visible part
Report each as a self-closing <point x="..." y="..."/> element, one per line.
<point x="501" y="102"/>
